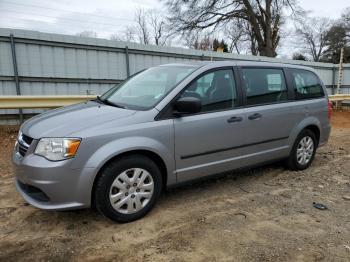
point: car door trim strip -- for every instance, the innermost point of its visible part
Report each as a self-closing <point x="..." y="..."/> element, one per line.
<point x="232" y="148"/>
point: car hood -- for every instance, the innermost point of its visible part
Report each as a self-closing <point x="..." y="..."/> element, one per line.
<point x="71" y="119"/>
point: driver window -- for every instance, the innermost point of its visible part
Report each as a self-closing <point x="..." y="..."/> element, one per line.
<point x="216" y="90"/>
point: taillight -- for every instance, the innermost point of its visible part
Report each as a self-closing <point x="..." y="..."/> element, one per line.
<point x="330" y="109"/>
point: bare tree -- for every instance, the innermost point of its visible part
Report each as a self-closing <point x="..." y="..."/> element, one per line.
<point x="205" y="43"/>
<point x="236" y="36"/>
<point x="158" y="26"/>
<point x="151" y="27"/>
<point x="263" y="16"/>
<point x="345" y="21"/>
<point x="240" y="37"/>
<point x="190" y="40"/>
<point x="254" y="45"/>
<point x="198" y="40"/>
<point x="128" y="35"/>
<point x="312" y="32"/>
<point x="87" y="33"/>
<point x="141" y="26"/>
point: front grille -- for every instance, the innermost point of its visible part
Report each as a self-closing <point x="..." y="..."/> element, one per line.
<point x="23" y="143"/>
<point x="22" y="149"/>
<point x="27" y="139"/>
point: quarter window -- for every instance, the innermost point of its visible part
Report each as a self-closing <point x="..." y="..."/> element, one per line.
<point x="216" y="90"/>
<point x="306" y="84"/>
<point x="264" y="85"/>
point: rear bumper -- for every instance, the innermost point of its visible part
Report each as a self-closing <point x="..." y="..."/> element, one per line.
<point x="52" y="185"/>
<point x="324" y="136"/>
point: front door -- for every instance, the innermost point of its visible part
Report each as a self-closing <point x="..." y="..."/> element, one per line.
<point x="208" y="142"/>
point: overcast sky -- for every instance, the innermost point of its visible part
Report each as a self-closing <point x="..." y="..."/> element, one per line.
<point x="108" y="17"/>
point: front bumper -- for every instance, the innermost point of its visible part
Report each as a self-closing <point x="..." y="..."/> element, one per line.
<point x="52" y="185"/>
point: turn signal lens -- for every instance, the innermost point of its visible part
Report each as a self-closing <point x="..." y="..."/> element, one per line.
<point x="72" y="147"/>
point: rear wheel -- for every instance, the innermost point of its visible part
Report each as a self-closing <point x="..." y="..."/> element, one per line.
<point x="128" y="188"/>
<point x="303" y="151"/>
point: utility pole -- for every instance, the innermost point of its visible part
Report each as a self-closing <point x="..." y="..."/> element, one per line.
<point x="340" y="72"/>
<point x="340" y="75"/>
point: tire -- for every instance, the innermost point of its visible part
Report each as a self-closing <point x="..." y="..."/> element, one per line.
<point x="296" y="163"/>
<point x="124" y="190"/>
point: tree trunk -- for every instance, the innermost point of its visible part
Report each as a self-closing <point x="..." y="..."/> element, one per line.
<point x="253" y="48"/>
<point x="266" y="48"/>
<point x="266" y="51"/>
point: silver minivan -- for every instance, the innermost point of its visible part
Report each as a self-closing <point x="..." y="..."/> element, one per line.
<point x="166" y="125"/>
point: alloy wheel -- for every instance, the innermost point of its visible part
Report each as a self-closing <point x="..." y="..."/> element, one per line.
<point x="305" y="150"/>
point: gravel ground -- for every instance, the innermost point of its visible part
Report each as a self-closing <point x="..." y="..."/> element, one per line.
<point x="264" y="214"/>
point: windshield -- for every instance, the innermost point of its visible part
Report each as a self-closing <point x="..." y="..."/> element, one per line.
<point x="145" y="89"/>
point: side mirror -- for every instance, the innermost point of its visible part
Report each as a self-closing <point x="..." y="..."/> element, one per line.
<point x="187" y="105"/>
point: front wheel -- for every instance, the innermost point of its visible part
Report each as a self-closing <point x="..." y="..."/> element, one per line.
<point x="128" y="188"/>
<point x="303" y="151"/>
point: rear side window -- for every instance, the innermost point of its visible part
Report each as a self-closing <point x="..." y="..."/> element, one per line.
<point x="264" y="85"/>
<point x="306" y="84"/>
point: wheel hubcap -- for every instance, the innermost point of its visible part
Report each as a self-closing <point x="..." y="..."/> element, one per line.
<point x="131" y="190"/>
<point x="305" y="150"/>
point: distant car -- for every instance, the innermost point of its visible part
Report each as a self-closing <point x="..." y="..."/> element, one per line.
<point x="166" y="125"/>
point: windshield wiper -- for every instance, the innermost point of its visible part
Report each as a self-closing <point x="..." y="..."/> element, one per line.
<point x="107" y="102"/>
<point x="99" y="100"/>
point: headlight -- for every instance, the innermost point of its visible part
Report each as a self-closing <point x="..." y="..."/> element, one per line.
<point x="57" y="148"/>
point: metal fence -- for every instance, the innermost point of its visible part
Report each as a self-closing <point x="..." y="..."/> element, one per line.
<point x="34" y="63"/>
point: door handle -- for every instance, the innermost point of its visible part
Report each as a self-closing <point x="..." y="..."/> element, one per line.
<point x="254" y="116"/>
<point x="235" y="119"/>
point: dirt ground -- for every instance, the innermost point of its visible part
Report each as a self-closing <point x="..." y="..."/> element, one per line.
<point x="265" y="214"/>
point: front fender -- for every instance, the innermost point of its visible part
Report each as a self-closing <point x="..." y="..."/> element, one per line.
<point x="114" y="148"/>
